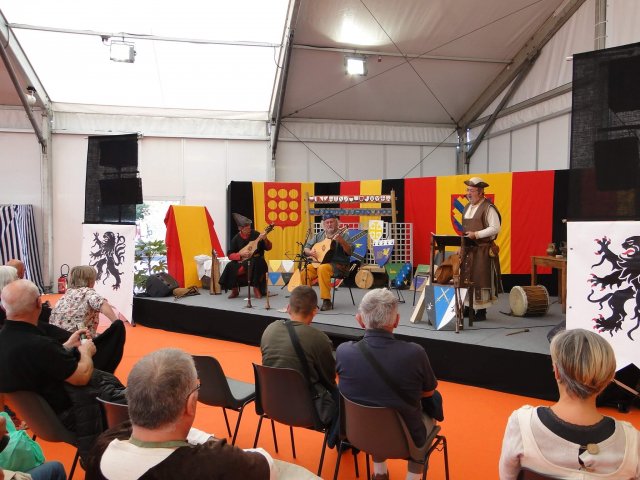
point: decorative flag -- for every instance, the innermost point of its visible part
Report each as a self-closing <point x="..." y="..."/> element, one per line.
<point x="110" y="249"/>
<point x="398" y="273"/>
<point x="382" y="251"/>
<point x="603" y="283"/>
<point x="190" y="232"/>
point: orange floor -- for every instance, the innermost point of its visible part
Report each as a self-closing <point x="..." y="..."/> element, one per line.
<point x="474" y="423"/>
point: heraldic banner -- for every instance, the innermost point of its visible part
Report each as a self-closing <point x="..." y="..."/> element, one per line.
<point x="110" y="249"/>
<point x="603" y="284"/>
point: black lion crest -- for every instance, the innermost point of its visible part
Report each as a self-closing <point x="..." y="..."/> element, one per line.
<point x="625" y="277"/>
<point x="107" y="256"/>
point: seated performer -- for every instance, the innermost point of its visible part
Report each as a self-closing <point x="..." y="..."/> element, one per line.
<point x="239" y="265"/>
<point x="341" y="249"/>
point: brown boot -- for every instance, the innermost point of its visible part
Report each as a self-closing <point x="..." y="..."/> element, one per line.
<point x="326" y="305"/>
<point x="234" y="292"/>
<point x="257" y="293"/>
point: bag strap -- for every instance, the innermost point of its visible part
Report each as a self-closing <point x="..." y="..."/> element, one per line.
<point x="362" y="346"/>
<point x="298" y="348"/>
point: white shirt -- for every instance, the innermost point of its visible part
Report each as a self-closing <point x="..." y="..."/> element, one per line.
<point x="492" y="219"/>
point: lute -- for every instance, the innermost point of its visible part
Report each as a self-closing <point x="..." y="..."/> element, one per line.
<point x="250" y="248"/>
<point x="324" y="249"/>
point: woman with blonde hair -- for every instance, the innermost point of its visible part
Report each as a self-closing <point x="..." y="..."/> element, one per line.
<point x="80" y="307"/>
<point x="572" y="439"/>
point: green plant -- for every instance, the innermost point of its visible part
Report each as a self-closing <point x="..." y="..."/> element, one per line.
<point x="151" y="257"/>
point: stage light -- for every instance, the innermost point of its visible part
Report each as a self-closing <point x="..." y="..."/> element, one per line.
<point x="31" y="96"/>
<point x="355" y="64"/>
<point x="122" y="51"/>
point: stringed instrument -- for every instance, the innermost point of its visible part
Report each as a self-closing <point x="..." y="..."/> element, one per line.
<point x="215" y="288"/>
<point x="250" y="248"/>
<point x="326" y="247"/>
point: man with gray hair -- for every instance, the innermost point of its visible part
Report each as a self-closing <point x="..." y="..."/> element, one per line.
<point x="407" y="363"/>
<point x="162" y="393"/>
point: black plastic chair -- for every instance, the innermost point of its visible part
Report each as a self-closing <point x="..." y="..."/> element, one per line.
<point x="338" y="275"/>
<point x="42" y="420"/>
<point x="282" y="395"/>
<point x="381" y="432"/>
<point x="115" y="413"/>
<point x="526" y="474"/>
<point x="218" y="390"/>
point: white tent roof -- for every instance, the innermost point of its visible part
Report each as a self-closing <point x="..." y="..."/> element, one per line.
<point x="429" y="62"/>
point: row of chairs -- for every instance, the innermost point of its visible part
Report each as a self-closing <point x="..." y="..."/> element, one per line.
<point x="280" y="395"/>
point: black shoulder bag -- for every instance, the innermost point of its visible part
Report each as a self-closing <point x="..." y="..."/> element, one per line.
<point x="432" y="405"/>
<point x="322" y="399"/>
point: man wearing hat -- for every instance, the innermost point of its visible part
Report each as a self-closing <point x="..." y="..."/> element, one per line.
<point x="341" y="249"/>
<point x="238" y="267"/>
<point x="480" y="263"/>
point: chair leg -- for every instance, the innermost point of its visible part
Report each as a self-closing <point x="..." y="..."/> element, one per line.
<point x="235" y="432"/>
<point x="293" y="445"/>
<point x="351" y="293"/>
<point x="333" y="293"/>
<point x="324" y="449"/>
<point x="335" y="471"/>
<point x="355" y="462"/>
<point x="226" y="420"/>
<point x="73" y="465"/>
<point x="255" y="441"/>
<point x="368" y="470"/>
<point x="275" y="439"/>
<point x="446" y="458"/>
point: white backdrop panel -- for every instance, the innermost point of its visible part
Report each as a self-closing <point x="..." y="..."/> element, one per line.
<point x="441" y="161"/>
<point x="111" y="250"/>
<point x="605" y="305"/>
<point x="161" y="167"/>
<point x="20" y="160"/>
<point x="553" y="143"/>
<point x="499" y="152"/>
<point x="291" y="162"/>
<point x="480" y="159"/>
<point x="402" y="160"/>
<point x="335" y="156"/>
<point x="365" y="162"/>
<point x="524" y="149"/>
<point x="623" y="18"/>
<point x="247" y="161"/>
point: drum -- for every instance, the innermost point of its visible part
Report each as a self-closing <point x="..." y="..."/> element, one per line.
<point x="367" y="279"/>
<point x="529" y="301"/>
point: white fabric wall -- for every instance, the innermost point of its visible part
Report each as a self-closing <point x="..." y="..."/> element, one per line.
<point x="21" y="167"/>
<point x="623" y="21"/>
<point x="194" y="171"/>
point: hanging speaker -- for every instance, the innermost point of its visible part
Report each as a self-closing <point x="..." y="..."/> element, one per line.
<point x="616" y="164"/>
<point x="624" y="94"/>
<point x="121" y="191"/>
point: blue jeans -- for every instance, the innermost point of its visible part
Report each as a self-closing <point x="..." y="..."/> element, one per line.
<point x="48" y="471"/>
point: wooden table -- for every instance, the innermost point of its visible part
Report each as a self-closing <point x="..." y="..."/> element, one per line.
<point x="557" y="263"/>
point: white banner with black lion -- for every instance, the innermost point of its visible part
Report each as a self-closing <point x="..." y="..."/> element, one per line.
<point x="603" y="282"/>
<point x="110" y="249"/>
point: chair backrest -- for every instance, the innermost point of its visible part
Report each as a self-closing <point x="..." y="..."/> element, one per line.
<point x="379" y="431"/>
<point x="531" y="475"/>
<point x="214" y="388"/>
<point x="116" y="413"/>
<point x="283" y="395"/>
<point x="40" y="417"/>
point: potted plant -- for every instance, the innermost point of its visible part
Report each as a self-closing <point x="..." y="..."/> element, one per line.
<point x="151" y="257"/>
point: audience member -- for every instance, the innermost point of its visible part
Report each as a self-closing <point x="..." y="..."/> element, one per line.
<point x="44" y="471"/>
<point x="18" y="265"/>
<point x="8" y="274"/>
<point x="407" y="363"/>
<point x="30" y="360"/>
<point x="278" y="350"/>
<point x="162" y="392"/>
<point x="571" y="439"/>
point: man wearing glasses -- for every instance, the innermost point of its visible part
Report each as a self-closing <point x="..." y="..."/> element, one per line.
<point x="480" y="262"/>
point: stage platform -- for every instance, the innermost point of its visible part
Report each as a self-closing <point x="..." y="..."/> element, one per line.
<point x="496" y="354"/>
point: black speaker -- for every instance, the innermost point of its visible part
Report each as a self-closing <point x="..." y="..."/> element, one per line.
<point x="120" y="153"/>
<point x="121" y="191"/>
<point x="624" y="94"/>
<point x="161" y="285"/>
<point x="616" y="163"/>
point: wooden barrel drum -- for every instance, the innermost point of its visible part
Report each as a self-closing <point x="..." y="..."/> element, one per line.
<point x="529" y="301"/>
<point x="366" y="279"/>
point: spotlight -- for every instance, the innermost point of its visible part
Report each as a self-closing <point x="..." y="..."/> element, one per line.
<point x="122" y="51"/>
<point x="355" y="64"/>
<point x="31" y="96"/>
